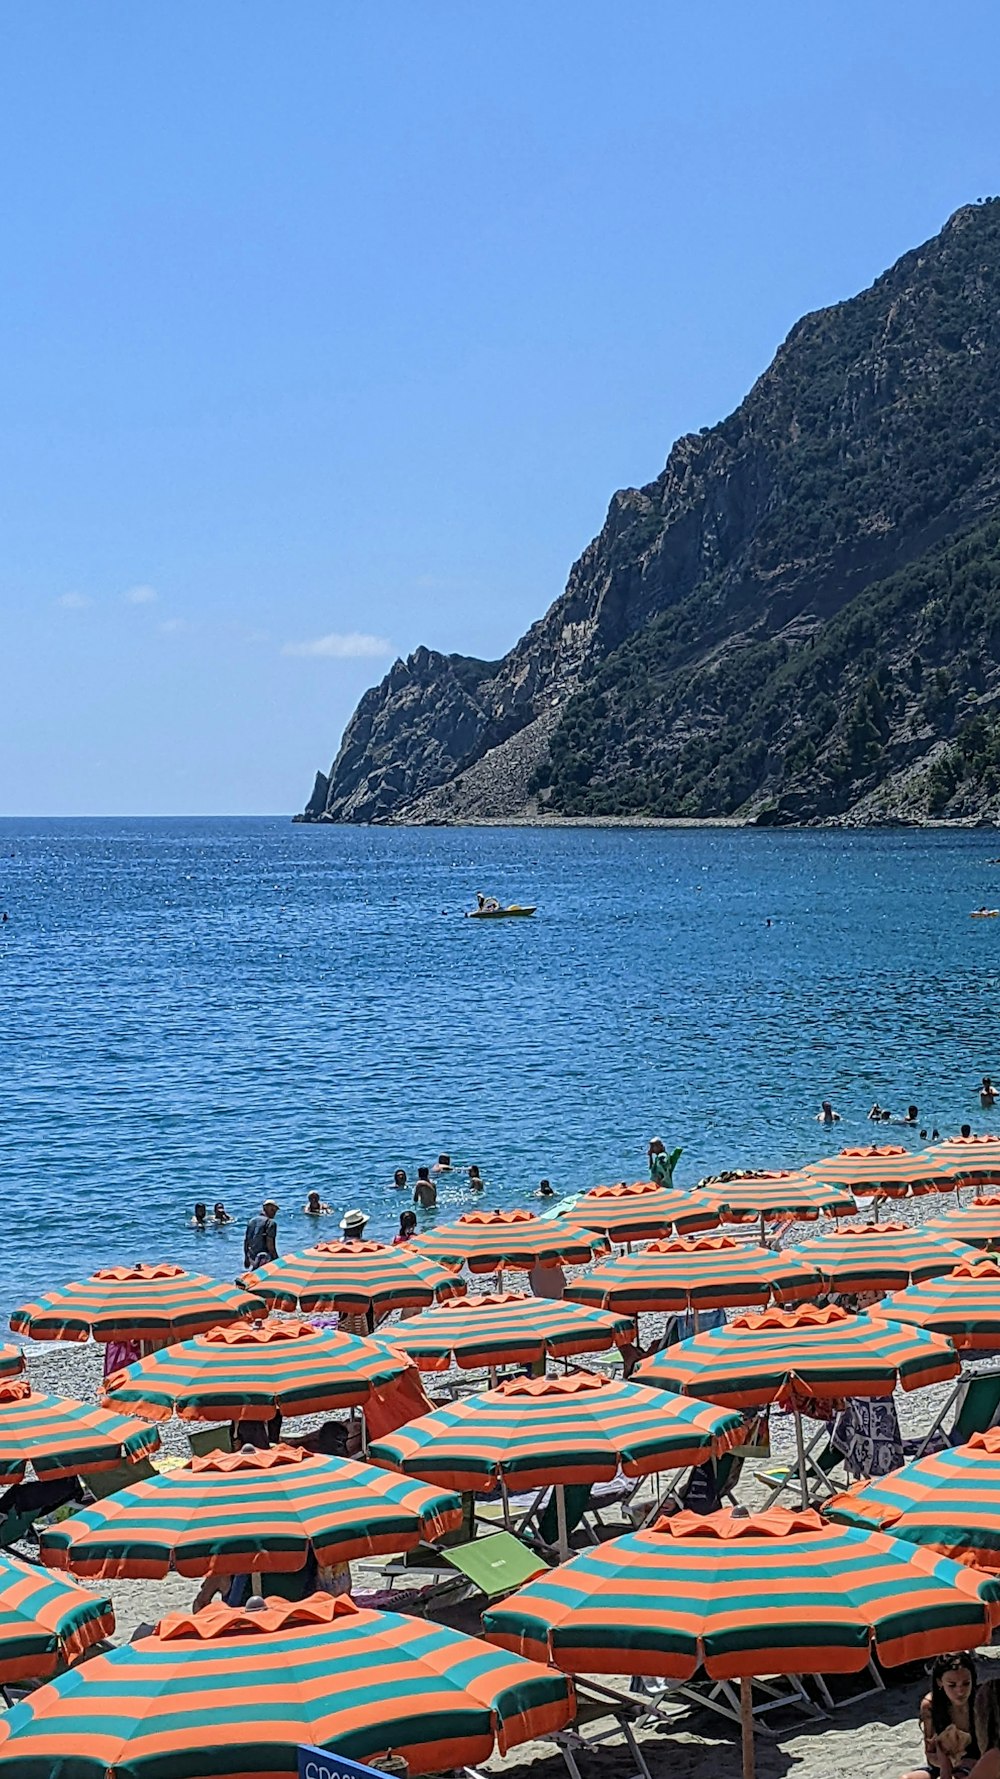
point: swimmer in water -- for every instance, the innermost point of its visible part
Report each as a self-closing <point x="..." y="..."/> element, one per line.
<point x="875" y="1113"/>
<point x="425" y="1192"/>
<point x="442" y="1165"/>
<point x="407" y="1228"/>
<point x="314" y="1206"/>
<point x="199" y="1220"/>
<point x="476" y="1180"/>
<point x="399" y="1178"/>
<point x="827" y="1115"/>
<point x="220" y="1214"/>
<point x="966" y="1130"/>
<point x="545" y="1190"/>
<point x="912" y="1115"/>
<point x="987" y="1094"/>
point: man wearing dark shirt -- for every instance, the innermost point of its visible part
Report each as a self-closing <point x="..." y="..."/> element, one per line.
<point x="260" y="1243"/>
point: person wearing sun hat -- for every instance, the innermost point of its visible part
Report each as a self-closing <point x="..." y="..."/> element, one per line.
<point x="352" y="1228"/>
<point x="354" y="1225"/>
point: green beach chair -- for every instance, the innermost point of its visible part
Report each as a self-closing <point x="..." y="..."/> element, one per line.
<point x="103" y="1483"/>
<point x="978" y="1408"/>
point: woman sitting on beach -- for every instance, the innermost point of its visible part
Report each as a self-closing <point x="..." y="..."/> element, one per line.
<point x="949" y="1718"/>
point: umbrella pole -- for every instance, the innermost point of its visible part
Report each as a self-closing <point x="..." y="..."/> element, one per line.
<point x="746" y="1726"/>
<point x="505" y="1498"/>
<point x="561" y="1523"/>
<point x="695" y="1319"/>
<point x="800" y="1447"/>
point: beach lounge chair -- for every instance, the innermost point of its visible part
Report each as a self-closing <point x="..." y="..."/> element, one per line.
<point x="212" y="1439"/>
<point x="601" y="1706"/>
<point x="484" y="1569"/>
<point x="103" y="1483"/>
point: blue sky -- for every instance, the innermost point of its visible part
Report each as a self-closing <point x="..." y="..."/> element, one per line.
<point x="328" y="329"/>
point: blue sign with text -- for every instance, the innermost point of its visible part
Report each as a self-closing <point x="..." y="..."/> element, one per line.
<point x="324" y="1763"/>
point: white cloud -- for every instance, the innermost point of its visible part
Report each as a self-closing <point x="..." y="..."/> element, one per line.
<point x="351" y="645"/>
<point x="74" y="602"/>
<point x="140" y="596"/>
<point x="172" y="626"/>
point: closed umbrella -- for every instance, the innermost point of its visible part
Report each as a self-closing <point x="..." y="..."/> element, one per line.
<point x="490" y="1329"/>
<point x="495" y="1241"/>
<point x="59" y="1437"/>
<point x="964" y="1304"/>
<point x="253" y="1371"/>
<point x="145" y="1303"/>
<point x="237" y="1692"/>
<point x="791" y="1356"/>
<point x="348" y="1277"/>
<point x="250" y="1511"/>
<point x="946" y="1501"/>
<point x="45" y="1621"/>
<point x="637" y="1212"/>
<point x="861" y="1257"/>
<point x="769" y="1593"/>
<point x="693" y="1273"/>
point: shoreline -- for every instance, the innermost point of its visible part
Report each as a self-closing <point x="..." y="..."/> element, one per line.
<point x="963" y="824"/>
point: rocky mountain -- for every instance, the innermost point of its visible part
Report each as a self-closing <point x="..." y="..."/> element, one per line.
<point x="799" y="620"/>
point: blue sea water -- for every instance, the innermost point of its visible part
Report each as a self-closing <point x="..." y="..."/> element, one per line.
<point x="218" y="1008"/>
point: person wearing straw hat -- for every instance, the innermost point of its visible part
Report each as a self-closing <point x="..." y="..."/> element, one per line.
<point x="354" y="1226"/>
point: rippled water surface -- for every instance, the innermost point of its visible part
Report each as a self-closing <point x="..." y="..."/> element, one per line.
<point x="205" y="1009"/>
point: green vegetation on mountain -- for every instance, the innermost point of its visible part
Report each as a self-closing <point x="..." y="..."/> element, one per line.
<point x="798" y="620"/>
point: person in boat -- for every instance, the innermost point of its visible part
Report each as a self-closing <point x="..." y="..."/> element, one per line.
<point x="486" y="904"/>
<point x="314" y="1206"/>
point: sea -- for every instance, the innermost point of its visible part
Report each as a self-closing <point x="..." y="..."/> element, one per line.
<point x="239" y="1008"/>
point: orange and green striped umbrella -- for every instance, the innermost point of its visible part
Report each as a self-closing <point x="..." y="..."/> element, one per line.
<point x="45" y="1621"/>
<point x="491" y="1241"/>
<point x="581" y="1428"/>
<point x="135" y="1303"/>
<point x="695" y="1272"/>
<point x="495" y="1328"/>
<point x="886" y="1169"/>
<point x="59" y="1437"/>
<point x="976" y="1159"/>
<point x="792" y="1355"/>
<point x="239" y="1512"/>
<point x="237" y="1693"/>
<point x="946" y="1501"/>
<point x="11" y="1361"/>
<point x="352" y="1276"/>
<point x="768" y="1196"/>
<point x="964" y="1304"/>
<point x="641" y="1211"/>
<point x="879" y="1256"/>
<point x="772" y="1593"/>
<point x="248" y="1372"/>
<point x="977" y="1224"/>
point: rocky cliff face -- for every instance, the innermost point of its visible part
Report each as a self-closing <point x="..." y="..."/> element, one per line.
<point x="793" y="622"/>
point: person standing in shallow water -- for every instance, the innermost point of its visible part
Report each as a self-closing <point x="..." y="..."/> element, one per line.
<point x="425" y="1192"/>
<point x="260" y="1242"/>
<point x="661" y="1165"/>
